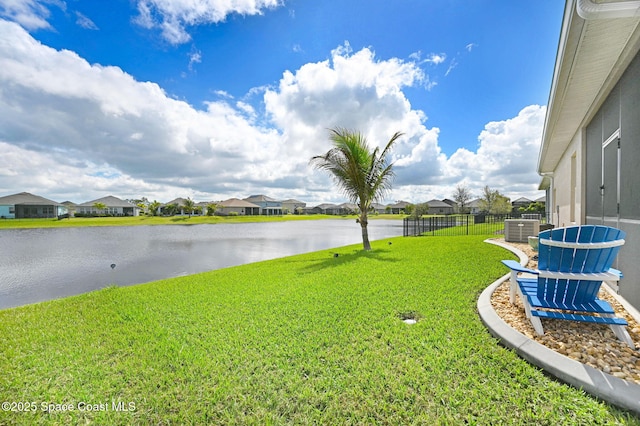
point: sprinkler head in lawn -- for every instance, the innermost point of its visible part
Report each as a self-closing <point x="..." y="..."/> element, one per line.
<point x="409" y="317"/>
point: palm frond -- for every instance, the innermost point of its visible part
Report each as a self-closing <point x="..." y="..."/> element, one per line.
<point x="364" y="176"/>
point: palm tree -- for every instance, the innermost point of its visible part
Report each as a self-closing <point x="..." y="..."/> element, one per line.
<point x="100" y="206"/>
<point x="142" y="206"/>
<point x="189" y="206"/>
<point x="363" y="175"/>
<point x="153" y="207"/>
<point x="211" y="208"/>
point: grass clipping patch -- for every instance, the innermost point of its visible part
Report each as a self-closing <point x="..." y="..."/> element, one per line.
<point x="305" y="339"/>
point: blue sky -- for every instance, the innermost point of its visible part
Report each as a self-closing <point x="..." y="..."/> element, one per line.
<point x="212" y="99"/>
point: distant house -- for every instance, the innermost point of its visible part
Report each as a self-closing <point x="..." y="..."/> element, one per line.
<point x="398" y="207"/>
<point x="520" y="202"/>
<point x="474" y="206"/>
<point x="312" y="210"/>
<point x="26" y="206"/>
<point x="239" y="207"/>
<point x="71" y="207"/>
<point x="325" y="208"/>
<point x="268" y="206"/>
<point x="169" y="209"/>
<point x="453" y="204"/>
<point x="114" y="207"/>
<point x="292" y="206"/>
<point x="348" y="208"/>
<point x="202" y="207"/>
<point x="379" y="208"/>
<point x="439" y="207"/>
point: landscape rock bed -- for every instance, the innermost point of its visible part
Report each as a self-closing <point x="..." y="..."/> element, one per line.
<point x="591" y="344"/>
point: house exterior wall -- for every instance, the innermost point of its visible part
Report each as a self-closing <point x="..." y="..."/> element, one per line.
<point x="441" y="210"/>
<point x="115" y="211"/>
<point x="28" y="211"/>
<point x="242" y="211"/>
<point x="292" y="208"/>
<point x="562" y="201"/>
<point x="7" y="212"/>
<point x="615" y="167"/>
<point x="230" y="210"/>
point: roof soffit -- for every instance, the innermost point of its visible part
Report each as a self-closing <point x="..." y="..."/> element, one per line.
<point x="592" y="56"/>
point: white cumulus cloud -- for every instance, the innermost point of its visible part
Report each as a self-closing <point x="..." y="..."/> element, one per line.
<point x="54" y="103"/>
<point x="31" y="14"/>
<point x="505" y="158"/>
<point x="173" y="17"/>
<point x="73" y="130"/>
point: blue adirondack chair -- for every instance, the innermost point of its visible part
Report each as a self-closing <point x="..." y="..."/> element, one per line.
<point x="572" y="264"/>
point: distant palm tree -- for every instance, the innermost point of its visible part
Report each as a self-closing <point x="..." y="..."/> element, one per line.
<point x="100" y="206"/>
<point x="363" y="175"/>
<point x="211" y="209"/>
<point x="142" y="206"/>
<point x="189" y="206"/>
<point x="153" y="207"/>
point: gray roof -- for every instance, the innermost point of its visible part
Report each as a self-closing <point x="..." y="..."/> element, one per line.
<point x="348" y="206"/>
<point x="325" y="206"/>
<point x="522" y="200"/>
<point x="399" y="205"/>
<point x="179" y="201"/>
<point x="234" y="202"/>
<point x="438" y="203"/>
<point x="27" y="198"/>
<point x="109" y="201"/>
<point x="260" y="197"/>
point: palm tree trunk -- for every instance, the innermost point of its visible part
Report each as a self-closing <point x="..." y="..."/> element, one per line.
<point x="365" y="233"/>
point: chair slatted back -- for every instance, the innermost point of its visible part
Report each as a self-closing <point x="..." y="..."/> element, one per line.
<point x="567" y="293"/>
<point x="575" y="249"/>
<point x="582" y="257"/>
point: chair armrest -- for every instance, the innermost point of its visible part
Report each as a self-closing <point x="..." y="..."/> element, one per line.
<point x="515" y="266"/>
<point x="617" y="272"/>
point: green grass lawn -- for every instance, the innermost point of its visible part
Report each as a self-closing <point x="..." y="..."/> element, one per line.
<point x="476" y="229"/>
<point x="167" y="220"/>
<point x="308" y="339"/>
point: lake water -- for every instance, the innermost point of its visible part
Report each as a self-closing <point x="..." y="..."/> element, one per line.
<point x="43" y="264"/>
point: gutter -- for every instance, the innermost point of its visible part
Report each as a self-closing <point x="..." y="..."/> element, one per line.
<point x="588" y="9"/>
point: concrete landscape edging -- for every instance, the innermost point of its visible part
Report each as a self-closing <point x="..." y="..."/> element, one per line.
<point x="619" y="392"/>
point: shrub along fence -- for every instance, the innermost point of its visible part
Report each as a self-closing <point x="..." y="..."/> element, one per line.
<point x="479" y="224"/>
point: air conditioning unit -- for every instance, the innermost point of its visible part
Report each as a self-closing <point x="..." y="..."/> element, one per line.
<point x="517" y="230"/>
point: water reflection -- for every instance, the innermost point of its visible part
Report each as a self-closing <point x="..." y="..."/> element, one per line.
<point x="43" y="264"/>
